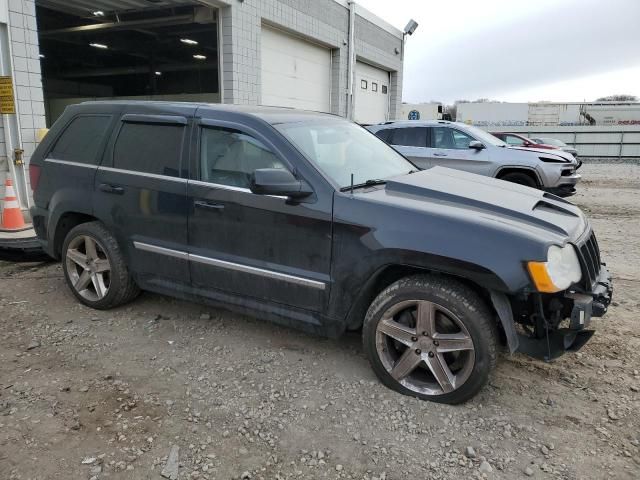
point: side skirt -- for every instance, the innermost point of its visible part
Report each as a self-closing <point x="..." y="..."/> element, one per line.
<point x="276" y="313"/>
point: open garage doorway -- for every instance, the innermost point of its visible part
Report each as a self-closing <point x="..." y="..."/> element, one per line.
<point x="127" y="49"/>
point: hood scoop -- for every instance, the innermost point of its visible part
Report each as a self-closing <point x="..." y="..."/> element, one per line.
<point x="554" y="208"/>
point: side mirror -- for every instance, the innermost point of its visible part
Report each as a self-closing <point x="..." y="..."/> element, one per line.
<point x="280" y="182"/>
<point x="476" y="145"/>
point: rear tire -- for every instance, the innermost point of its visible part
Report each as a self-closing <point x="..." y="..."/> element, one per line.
<point x="431" y="337"/>
<point x="94" y="267"/>
<point x="520" y="179"/>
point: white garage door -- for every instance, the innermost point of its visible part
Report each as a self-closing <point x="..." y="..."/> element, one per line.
<point x="371" y="94"/>
<point x="295" y="73"/>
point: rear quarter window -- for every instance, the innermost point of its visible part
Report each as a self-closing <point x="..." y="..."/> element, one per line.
<point x="81" y="140"/>
<point x="149" y="148"/>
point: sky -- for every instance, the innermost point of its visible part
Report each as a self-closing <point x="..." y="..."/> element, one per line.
<point x="517" y="50"/>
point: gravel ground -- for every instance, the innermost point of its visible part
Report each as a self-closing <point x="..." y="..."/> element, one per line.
<point x="92" y="395"/>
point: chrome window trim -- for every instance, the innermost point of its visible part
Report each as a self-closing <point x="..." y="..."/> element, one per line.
<point x="231" y="188"/>
<point x="143" y="174"/>
<point x="70" y="163"/>
<point x="306" y="282"/>
<point x="220" y="186"/>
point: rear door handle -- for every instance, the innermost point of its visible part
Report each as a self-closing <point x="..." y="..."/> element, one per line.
<point x="108" y="188"/>
<point x="208" y="206"/>
<point x="439" y="154"/>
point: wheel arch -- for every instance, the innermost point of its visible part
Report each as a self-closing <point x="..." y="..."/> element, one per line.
<point x="63" y="226"/>
<point x="529" y="171"/>
<point x="388" y="274"/>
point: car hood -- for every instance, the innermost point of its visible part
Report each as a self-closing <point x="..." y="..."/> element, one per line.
<point x="480" y="199"/>
<point x="555" y="153"/>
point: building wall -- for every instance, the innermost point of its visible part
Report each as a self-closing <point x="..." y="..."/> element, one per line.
<point x="322" y="21"/>
<point x="27" y="80"/>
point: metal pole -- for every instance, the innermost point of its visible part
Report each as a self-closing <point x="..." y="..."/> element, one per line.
<point x="352" y="57"/>
<point x="621" y="145"/>
<point x="12" y="134"/>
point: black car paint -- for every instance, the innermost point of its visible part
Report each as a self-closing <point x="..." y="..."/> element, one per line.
<point x="476" y="228"/>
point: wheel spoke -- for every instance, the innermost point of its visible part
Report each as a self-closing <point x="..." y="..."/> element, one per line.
<point x="98" y="283"/>
<point x="441" y="372"/>
<point x="453" y="342"/>
<point x="406" y="364"/>
<point x="90" y="248"/>
<point x="426" y="318"/>
<point x="397" y="331"/>
<point x="83" y="281"/>
<point x="76" y="257"/>
<point x="101" y="266"/>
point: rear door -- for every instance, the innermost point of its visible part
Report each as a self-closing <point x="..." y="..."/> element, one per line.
<point x="413" y="143"/>
<point x="451" y="149"/>
<point x="140" y="194"/>
<point x="258" y="247"/>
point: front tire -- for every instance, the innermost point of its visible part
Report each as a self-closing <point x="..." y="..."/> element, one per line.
<point x="431" y="337"/>
<point x="94" y="267"/>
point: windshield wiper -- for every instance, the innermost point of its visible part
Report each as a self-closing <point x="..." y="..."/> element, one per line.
<point x="368" y="183"/>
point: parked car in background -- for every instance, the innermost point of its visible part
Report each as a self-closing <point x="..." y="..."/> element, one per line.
<point x="464" y="147"/>
<point x="310" y="221"/>
<point x="518" y="140"/>
<point x="556" y="143"/>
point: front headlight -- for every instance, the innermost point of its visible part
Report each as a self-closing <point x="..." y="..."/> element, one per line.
<point x="559" y="272"/>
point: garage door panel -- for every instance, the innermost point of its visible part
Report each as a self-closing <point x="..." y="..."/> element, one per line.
<point x="371" y="106"/>
<point x="295" y="73"/>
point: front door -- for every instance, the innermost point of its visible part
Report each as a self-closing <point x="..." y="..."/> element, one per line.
<point x="451" y="150"/>
<point x="256" y="246"/>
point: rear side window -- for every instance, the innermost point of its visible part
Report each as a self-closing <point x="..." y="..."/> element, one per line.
<point x="409" y="137"/>
<point x="149" y="148"/>
<point x="385" y="134"/>
<point x="81" y="140"/>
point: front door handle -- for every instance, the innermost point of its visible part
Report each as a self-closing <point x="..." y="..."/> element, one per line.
<point x="108" y="188"/>
<point x="439" y="154"/>
<point x="207" y="205"/>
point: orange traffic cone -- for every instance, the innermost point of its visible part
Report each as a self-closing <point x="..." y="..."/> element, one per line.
<point x="11" y="215"/>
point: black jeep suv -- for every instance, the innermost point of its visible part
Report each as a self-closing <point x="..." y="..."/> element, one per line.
<point x="311" y="221"/>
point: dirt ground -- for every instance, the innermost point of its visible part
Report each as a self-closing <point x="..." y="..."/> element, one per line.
<point x="87" y="394"/>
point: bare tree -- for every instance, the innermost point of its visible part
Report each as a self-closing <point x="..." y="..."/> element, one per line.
<point x="618" y="98"/>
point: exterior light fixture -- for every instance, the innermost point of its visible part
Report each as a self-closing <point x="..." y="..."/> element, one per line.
<point x="158" y="73"/>
<point x="188" y="41"/>
<point x="98" y="13"/>
<point x="98" y="45"/>
<point x="200" y="57"/>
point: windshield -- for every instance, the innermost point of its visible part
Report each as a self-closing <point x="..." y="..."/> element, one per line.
<point x="484" y="137"/>
<point x="340" y="148"/>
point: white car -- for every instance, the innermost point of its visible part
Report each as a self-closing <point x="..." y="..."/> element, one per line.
<point x="464" y="147"/>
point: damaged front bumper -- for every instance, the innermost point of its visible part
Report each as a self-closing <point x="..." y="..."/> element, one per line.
<point x="553" y="342"/>
<point x="547" y="340"/>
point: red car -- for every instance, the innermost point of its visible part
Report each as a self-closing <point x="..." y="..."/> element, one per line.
<point x="517" y="140"/>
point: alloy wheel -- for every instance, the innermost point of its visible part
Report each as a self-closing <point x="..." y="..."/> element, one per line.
<point x="88" y="268"/>
<point x="425" y="347"/>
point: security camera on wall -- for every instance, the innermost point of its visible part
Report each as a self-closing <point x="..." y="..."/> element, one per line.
<point x="411" y="27"/>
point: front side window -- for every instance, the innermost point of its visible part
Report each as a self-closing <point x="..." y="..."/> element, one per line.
<point x="513" y="140"/>
<point x="81" y="140"/>
<point x="229" y="157"/>
<point x="149" y="148"/>
<point x="461" y="140"/>
<point x="340" y="149"/>
<point x="410" y="137"/>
